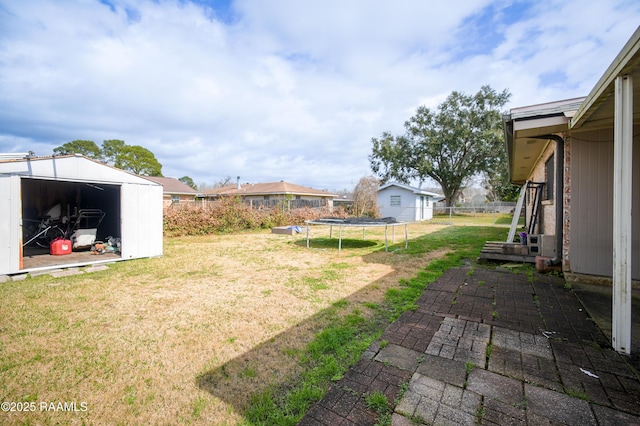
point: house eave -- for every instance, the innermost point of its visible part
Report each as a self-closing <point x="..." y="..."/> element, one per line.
<point x="597" y="109"/>
<point x="526" y="130"/>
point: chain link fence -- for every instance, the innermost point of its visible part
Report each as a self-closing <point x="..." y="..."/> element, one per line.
<point x="497" y="213"/>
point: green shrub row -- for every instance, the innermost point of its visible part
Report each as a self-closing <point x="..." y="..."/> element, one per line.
<point x="232" y="215"/>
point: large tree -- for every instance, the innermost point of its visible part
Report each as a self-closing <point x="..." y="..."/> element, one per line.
<point x="135" y="159"/>
<point x="138" y="160"/>
<point x="188" y="181"/>
<point x="498" y="185"/>
<point x="112" y="149"/>
<point x="460" y="139"/>
<point x="84" y="147"/>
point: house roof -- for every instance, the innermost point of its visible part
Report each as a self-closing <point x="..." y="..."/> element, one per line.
<point x="526" y="128"/>
<point x="269" y="188"/>
<point x="172" y="185"/>
<point x="597" y="109"/>
<point x="418" y="191"/>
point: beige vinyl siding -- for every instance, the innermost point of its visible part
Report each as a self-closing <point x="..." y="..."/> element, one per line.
<point x="591" y="216"/>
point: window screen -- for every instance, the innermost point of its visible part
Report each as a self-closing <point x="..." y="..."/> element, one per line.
<point x="550" y="171"/>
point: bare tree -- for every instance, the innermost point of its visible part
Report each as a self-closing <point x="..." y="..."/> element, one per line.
<point x="365" y="197"/>
<point x="227" y="181"/>
<point x="221" y="183"/>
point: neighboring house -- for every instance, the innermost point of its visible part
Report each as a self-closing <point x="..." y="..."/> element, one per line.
<point x="345" y="201"/>
<point x="578" y="156"/>
<point x="174" y="191"/>
<point x="275" y="193"/>
<point x="31" y="186"/>
<point x="405" y="203"/>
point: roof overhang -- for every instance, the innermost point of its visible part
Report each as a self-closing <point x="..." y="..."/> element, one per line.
<point x="597" y="111"/>
<point x="527" y="130"/>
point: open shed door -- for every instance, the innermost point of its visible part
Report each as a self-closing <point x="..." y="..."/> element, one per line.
<point x="10" y="229"/>
<point x="141" y="220"/>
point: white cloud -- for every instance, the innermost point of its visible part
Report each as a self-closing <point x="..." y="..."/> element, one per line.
<point x="281" y="89"/>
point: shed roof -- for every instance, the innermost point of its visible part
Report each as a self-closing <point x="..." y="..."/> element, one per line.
<point x="73" y="167"/>
<point x="418" y="191"/>
<point x="269" y="188"/>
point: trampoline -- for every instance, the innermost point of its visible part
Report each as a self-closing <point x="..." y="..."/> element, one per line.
<point x="363" y="223"/>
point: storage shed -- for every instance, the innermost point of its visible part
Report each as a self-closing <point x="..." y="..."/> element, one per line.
<point x="404" y="202"/>
<point x="31" y="187"/>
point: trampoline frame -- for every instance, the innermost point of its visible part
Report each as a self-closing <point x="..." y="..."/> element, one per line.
<point x="340" y="223"/>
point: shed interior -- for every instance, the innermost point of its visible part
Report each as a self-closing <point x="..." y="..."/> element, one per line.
<point x="40" y="195"/>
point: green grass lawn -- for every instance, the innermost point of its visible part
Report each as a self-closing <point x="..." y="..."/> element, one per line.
<point x="342" y="343"/>
<point x="239" y="329"/>
<point x="478" y="219"/>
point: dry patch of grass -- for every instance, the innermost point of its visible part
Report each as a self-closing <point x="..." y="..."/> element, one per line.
<point x="188" y="337"/>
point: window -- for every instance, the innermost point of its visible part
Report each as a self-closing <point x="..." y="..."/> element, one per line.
<point x="395" y="201"/>
<point x="550" y="178"/>
<point x="175" y="198"/>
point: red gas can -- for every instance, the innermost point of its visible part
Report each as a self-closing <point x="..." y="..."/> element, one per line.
<point x="59" y="247"/>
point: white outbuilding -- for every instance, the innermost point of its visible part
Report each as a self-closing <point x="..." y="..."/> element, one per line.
<point x="86" y="196"/>
<point x="405" y="203"/>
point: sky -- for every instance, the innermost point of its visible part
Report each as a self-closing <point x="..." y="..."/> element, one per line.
<point x="281" y="89"/>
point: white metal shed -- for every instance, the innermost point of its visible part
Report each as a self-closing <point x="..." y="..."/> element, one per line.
<point x="404" y="202"/>
<point x="29" y="186"/>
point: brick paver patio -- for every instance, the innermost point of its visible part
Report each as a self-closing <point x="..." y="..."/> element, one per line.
<point x="489" y="347"/>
